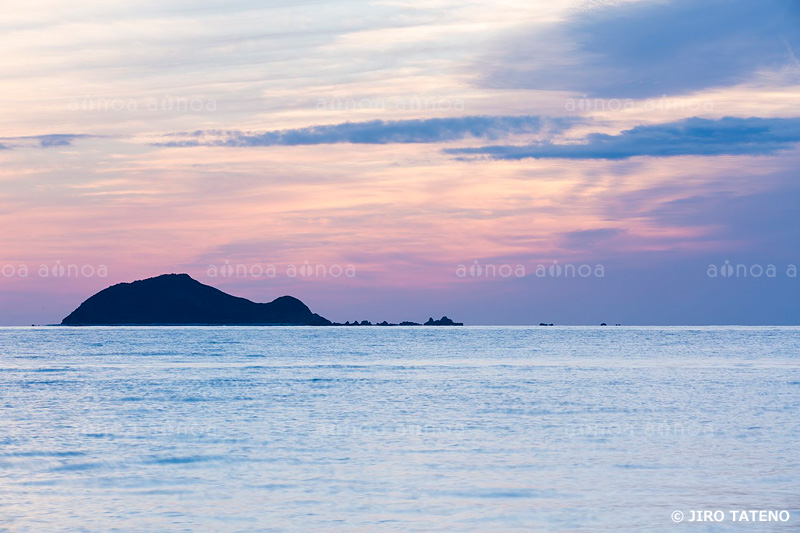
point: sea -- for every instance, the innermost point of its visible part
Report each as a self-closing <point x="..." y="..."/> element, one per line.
<point x="400" y="429"/>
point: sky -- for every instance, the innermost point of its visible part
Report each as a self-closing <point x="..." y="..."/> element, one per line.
<point x="505" y="162"/>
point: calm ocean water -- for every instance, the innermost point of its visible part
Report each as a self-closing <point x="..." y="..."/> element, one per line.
<point x="397" y="429"/>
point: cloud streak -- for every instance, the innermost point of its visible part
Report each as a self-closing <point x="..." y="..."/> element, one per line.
<point x="429" y="130"/>
<point x="693" y="136"/>
<point x="646" y="49"/>
<point x="52" y="140"/>
<point x="590" y="238"/>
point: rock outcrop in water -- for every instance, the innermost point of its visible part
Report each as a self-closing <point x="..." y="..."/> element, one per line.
<point x="444" y="321"/>
<point x="178" y="299"/>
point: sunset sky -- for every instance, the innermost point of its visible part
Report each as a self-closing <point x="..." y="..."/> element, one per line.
<point x="425" y="158"/>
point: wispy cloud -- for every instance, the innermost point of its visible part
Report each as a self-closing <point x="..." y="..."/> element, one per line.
<point x="693" y="136"/>
<point x="43" y="141"/>
<point x="589" y="238"/>
<point x="646" y="49"/>
<point x="429" y="130"/>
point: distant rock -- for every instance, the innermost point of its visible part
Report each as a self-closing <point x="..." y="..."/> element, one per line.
<point x="444" y="321"/>
<point x="177" y="299"/>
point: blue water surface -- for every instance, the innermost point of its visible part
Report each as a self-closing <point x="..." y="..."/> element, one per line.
<point x="397" y="429"/>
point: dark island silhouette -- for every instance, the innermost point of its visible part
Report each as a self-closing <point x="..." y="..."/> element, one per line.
<point x="178" y="299"/>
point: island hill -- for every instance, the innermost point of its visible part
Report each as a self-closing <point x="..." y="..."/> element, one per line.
<point x="178" y="299"/>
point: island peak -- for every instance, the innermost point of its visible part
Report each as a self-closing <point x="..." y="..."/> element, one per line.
<point x="179" y="299"/>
